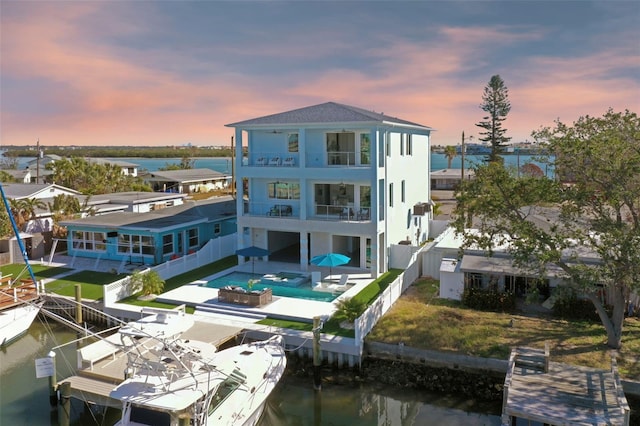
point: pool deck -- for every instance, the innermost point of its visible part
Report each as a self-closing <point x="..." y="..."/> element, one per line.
<point x="206" y="299"/>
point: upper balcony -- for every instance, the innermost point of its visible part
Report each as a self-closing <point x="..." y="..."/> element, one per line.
<point x="340" y="159"/>
<point x="290" y="209"/>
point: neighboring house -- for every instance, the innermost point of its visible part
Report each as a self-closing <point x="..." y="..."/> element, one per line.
<point x="153" y="237"/>
<point x="38" y="168"/>
<point x="19" y="176"/>
<point x="129" y="169"/>
<point x="136" y="202"/>
<point x="332" y="178"/>
<point x="35" y="242"/>
<point x="187" y="180"/>
<point x="449" y="179"/>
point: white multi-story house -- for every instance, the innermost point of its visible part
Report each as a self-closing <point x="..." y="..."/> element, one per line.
<point x="332" y="178"/>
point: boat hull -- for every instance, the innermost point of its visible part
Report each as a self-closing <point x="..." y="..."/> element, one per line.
<point x="15" y="321"/>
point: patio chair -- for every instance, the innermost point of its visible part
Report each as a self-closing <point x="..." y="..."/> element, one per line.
<point x="289" y="161"/>
<point x="346" y="213"/>
<point x="275" y="161"/>
<point x="262" y="161"/>
<point x="363" y="214"/>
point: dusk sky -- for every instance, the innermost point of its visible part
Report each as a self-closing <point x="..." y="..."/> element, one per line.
<point x="175" y="72"/>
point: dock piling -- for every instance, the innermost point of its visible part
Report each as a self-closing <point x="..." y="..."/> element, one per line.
<point x="53" y="381"/>
<point x="78" y="304"/>
<point x="317" y="355"/>
<point x="64" y="413"/>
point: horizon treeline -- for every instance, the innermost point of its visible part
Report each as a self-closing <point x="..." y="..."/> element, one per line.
<point x="120" y="151"/>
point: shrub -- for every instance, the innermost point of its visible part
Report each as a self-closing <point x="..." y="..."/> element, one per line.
<point x="349" y="309"/>
<point x="488" y="300"/>
<point x="569" y="306"/>
<point x="150" y="282"/>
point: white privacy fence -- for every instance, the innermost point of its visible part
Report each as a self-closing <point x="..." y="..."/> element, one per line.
<point x="365" y="323"/>
<point x="215" y="249"/>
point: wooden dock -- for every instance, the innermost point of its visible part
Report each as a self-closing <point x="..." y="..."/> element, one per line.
<point x="561" y="394"/>
<point x="101" y="365"/>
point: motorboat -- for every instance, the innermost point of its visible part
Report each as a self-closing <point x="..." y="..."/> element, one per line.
<point x="186" y="382"/>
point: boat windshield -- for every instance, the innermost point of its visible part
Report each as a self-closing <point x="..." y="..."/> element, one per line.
<point x="225" y="389"/>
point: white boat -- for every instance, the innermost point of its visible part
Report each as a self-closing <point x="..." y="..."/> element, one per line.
<point x="187" y="382"/>
<point x="15" y="321"/>
<point x="19" y="303"/>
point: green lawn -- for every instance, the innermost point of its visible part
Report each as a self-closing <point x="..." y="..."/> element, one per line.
<point x="40" y="271"/>
<point x="91" y="283"/>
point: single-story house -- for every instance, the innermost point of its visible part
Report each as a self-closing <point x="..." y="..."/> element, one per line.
<point x="187" y="180"/>
<point x="449" y="179"/>
<point x="153" y="237"/>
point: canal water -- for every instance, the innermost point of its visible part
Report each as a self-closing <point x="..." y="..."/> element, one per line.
<point x="24" y="399"/>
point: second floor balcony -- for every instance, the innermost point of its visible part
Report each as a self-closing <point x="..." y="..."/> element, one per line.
<point x="312" y="159"/>
<point x="324" y="212"/>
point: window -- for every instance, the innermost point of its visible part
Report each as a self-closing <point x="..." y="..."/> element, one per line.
<point x="341" y="148"/>
<point x="136" y="244"/>
<point x="217" y="229"/>
<point x="284" y="190"/>
<point x="365" y="149"/>
<point x="402" y="138"/>
<point x="193" y="237"/>
<point x="402" y="189"/>
<point x="391" y="195"/>
<point x="167" y="244"/>
<point x="293" y="142"/>
<point x="90" y="241"/>
<point x="409" y="142"/>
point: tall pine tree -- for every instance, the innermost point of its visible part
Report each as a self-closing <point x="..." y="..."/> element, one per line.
<point x="495" y="102"/>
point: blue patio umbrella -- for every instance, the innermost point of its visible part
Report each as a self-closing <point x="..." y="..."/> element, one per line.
<point x="252" y="252"/>
<point x="330" y="260"/>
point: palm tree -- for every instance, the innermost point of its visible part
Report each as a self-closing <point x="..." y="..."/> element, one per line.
<point x="450" y="153"/>
<point x="30" y="205"/>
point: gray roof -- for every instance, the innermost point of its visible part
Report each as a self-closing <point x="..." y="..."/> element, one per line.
<point x="189" y="213"/>
<point x="187" y="175"/>
<point x="118" y="163"/>
<point x="30" y="190"/>
<point x="133" y="197"/>
<point x="326" y="113"/>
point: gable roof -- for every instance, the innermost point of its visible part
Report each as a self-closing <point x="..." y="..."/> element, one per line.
<point x="33" y="190"/>
<point x="329" y="112"/>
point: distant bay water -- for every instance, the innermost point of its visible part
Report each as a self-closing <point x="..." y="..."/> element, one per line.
<point x="223" y="164"/>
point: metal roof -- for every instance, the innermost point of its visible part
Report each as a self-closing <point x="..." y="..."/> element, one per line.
<point x="157" y="220"/>
<point x="330" y="112"/>
<point x="183" y="176"/>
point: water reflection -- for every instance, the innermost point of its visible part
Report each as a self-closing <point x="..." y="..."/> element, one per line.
<point x="294" y="403"/>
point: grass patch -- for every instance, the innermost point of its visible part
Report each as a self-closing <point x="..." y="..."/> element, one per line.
<point x="40" y="271"/>
<point x="91" y="283"/>
<point x="419" y="319"/>
<point x="153" y="304"/>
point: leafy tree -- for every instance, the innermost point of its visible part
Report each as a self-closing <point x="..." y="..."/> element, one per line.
<point x="495" y="102"/>
<point x="450" y="153"/>
<point x="185" y="164"/>
<point x="93" y="178"/>
<point x="5" y="224"/>
<point x="64" y="207"/>
<point x="590" y="229"/>
<point x="5" y="177"/>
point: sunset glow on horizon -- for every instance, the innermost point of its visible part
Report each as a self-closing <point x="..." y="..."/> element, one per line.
<point x="173" y="73"/>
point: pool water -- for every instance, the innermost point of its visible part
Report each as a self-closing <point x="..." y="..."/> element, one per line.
<point x="241" y="279"/>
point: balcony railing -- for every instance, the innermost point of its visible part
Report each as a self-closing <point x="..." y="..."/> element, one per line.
<point x="272" y="209"/>
<point x="312" y="159"/>
<point x="325" y="212"/>
<point x="274" y="159"/>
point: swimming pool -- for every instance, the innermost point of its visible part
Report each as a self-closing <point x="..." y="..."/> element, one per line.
<point x="304" y="291"/>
